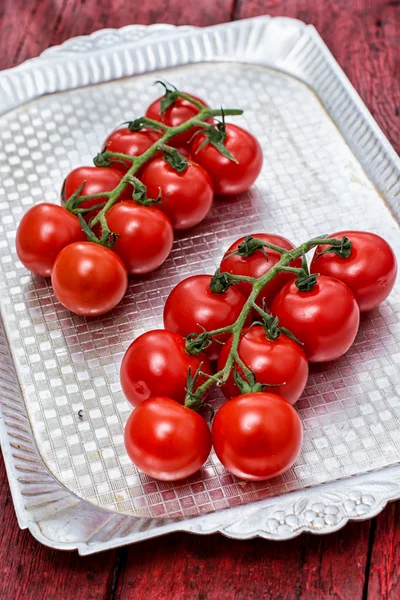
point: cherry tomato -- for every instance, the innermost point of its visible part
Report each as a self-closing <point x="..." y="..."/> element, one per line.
<point x="157" y="364"/>
<point x="325" y="319"/>
<point x="166" y="440"/>
<point x="145" y="236"/>
<point x="133" y="143"/>
<point x="89" y="279"/>
<point x="180" y="111"/>
<point x="187" y="196"/>
<point x="257" y="436"/>
<point x="44" y="230"/>
<point x="97" y="179"/>
<point x="370" y="270"/>
<point x="259" y="263"/>
<point x="228" y="177"/>
<point x="192" y="307"/>
<point x="281" y="362"/>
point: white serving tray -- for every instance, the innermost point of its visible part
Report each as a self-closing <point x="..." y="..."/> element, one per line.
<point x="327" y="167"/>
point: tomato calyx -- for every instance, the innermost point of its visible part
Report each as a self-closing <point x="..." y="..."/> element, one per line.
<point x="215" y="135"/>
<point x="249" y="246"/>
<point x="270" y="324"/>
<point x="193" y="399"/>
<point x="139" y="195"/>
<point x="343" y="250"/>
<point x="250" y="384"/>
<point x="221" y="282"/>
<point x="173" y="157"/>
<point x="171" y="94"/>
<point x="197" y="342"/>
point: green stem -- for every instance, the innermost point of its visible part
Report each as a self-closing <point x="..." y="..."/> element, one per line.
<point x="139" y="161"/>
<point x="258" y="285"/>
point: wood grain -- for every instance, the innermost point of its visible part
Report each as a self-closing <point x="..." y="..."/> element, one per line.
<point x="362" y="561"/>
<point x="384" y="575"/>
<point x="216" y="568"/>
<point x="363" y="36"/>
<point x="30" y="571"/>
<point x="29" y="26"/>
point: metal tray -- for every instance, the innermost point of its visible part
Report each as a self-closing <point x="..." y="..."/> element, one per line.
<point x="327" y="167"/>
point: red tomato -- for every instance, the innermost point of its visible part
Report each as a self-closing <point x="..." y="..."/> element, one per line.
<point x="44" y="230"/>
<point x="89" y="279"/>
<point x="192" y="307"/>
<point x="145" y="236"/>
<point x="257" y="265"/>
<point x="228" y="177"/>
<point x="187" y="196"/>
<point x="325" y="319"/>
<point x="180" y="111"/>
<point x="257" y="436"/>
<point x="370" y="270"/>
<point x="133" y="143"/>
<point x="98" y="179"/>
<point x="157" y="364"/>
<point x="166" y="440"/>
<point x="280" y="361"/>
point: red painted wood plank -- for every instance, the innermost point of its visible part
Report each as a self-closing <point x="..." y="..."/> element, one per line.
<point x="384" y="581"/>
<point x="216" y="568"/>
<point x="29" y="27"/>
<point x="364" y="37"/>
<point x="29" y="571"/>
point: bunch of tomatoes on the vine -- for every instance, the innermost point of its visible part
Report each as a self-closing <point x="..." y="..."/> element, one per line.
<point x="252" y="329"/>
<point x="156" y="174"/>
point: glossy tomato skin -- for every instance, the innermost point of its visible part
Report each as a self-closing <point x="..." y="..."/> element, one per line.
<point x="157" y="364"/>
<point x="44" y="230"/>
<point x="89" y="279"/>
<point x="192" y="307"/>
<point x="166" y="440"/>
<point x="230" y="178"/>
<point x="145" y="236"/>
<point x="182" y="110"/>
<point x="187" y="196"/>
<point x="257" y="436"/>
<point x="257" y="265"/>
<point x="133" y="143"/>
<point x="326" y="319"/>
<point x="281" y="362"/>
<point x="370" y="271"/>
<point x="97" y="179"/>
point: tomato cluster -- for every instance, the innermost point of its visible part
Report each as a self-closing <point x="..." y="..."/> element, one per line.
<point x="261" y="358"/>
<point x="117" y="218"/>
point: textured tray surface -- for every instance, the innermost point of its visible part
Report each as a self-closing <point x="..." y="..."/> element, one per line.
<point x="350" y="410"/>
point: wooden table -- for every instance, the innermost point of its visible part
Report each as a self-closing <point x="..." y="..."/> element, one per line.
<point x="361" y="561"/>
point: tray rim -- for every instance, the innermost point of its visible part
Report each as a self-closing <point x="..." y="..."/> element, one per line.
<point x="41" y="502"/>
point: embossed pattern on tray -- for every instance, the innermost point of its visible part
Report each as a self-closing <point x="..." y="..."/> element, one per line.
<point x="311" y="183"/>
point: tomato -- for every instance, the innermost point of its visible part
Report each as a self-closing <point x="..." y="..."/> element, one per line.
<point x="257" y="264"/>
<point x="192" y="307"/>
<point x="133" y="143"/>
<point x="325" y="319"/>
<point x="166" y="440"/>
<point x="370" y="270"/>
<point x="44" y="230"/>
<point x="97" y="179"/>
<point x="280" y="361"/>
<point x="89" y="279"/>
<point x="257" y="436"/>
<point x="180" y="111"/>
<point x="187" y="196"/>
<point x="145" y="236"/>
<point x="228" y="177"/>
<point x="157" y="364"/>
